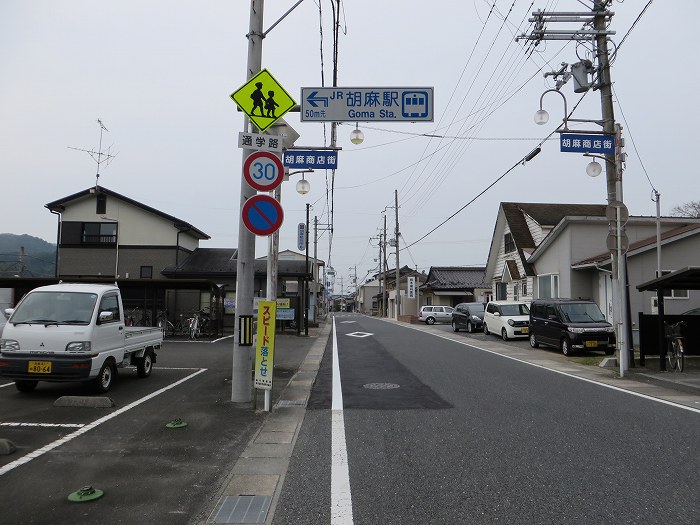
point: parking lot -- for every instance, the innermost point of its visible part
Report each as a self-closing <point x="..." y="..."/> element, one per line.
<point x="148" y="472"/>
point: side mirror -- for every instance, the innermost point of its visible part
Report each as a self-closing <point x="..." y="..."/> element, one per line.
<point x="9" y="312"/>
<point x="497" y="314"/>
<point x="552" y="317"/>
<point x="105" y="316"/>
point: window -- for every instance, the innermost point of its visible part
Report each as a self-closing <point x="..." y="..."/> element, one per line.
<point x="110" y="303"/>
<point x="524" y="287"/>
<point x="508" y="243"/>
<point x="501" y="291"/>
<point x="147" y="272"/>
<point x="674" y="294"/>
<point x="516" y="294"/>
<point x="99" y="233"/>
<point x="548" y="286"/>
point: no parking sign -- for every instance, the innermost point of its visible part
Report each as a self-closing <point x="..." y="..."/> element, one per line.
<point x="262" y="215"/>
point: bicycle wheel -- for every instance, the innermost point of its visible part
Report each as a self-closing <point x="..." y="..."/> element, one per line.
<point x="194" y="329"/>
<point x="680" y="347"/>
<point x="673" y="355"/>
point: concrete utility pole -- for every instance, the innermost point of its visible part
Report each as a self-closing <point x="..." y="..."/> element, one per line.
<point x="398" y="270"/>
<point x="385" y="306"/>
<point x="242" y="377"/>
<point x="613" y="177"/>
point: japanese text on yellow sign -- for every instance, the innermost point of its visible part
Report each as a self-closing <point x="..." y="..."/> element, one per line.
<point x="265" y="345"/>
<point x="263" y="99"/>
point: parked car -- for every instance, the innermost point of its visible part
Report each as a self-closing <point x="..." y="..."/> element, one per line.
<point x="469" y="316"/>
<point x="570" y="324"/>
<point x="435" y="314"/>
<point x="507" y="318"/>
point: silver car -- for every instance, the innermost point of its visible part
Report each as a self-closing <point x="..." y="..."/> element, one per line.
<point x="435" y="314"/>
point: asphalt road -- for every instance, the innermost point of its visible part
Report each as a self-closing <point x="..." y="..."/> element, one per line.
<point x="461" y="435"/>
<point x="149" y="474"/>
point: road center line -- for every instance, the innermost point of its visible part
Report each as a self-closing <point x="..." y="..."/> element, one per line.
<point x="341" y="497"/>
<point x="47" y="448"/>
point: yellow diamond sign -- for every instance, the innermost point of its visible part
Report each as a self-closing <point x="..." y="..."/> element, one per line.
<point x="263" y="99"/>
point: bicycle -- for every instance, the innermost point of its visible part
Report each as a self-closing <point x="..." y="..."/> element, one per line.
<point x="164" y="324"/>
<point x="194" y="327"/>
<point x="676" y="345"/>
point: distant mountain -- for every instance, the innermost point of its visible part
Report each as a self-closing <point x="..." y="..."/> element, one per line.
<point x="38" y="260"/>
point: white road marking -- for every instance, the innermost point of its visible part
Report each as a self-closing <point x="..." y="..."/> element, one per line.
<point x="43" y="425"/>
<point x="6" y="384"/>
<point x="341" y="497"/>
<point x="43" y="450"/>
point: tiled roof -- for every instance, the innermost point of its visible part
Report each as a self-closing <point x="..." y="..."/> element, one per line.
<point x="456" y="277"/>
<point x="649" y="241"/>
<point x="546" y="215"/>
<point x="222" y="261"/>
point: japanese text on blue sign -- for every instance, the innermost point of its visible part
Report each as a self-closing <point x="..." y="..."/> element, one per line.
<point x="310" y="159"/>
<point x="577" y="143"/>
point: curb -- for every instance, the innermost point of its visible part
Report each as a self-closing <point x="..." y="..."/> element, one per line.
<point x="253" y="488"/>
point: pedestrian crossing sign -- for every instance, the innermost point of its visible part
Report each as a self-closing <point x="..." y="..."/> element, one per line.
<point x="263" y="99"/>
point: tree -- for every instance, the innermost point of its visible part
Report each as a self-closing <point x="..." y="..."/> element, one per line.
<point x="689" y="209"/>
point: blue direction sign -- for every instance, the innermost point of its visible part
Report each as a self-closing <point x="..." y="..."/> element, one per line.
<point x="587" y="143"/>
<point x="262" y="215"/>
<point x="310" y="159"/>
<point x="366" y="104"/>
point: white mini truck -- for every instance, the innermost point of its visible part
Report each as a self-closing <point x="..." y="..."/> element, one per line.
<point x="73" y="332"/>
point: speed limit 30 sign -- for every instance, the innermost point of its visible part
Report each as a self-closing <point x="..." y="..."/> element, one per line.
<point x="263" y="170"/>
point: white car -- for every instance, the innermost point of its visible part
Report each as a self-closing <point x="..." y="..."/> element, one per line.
<point x="507" y="318"/>
<point x="435" y="314"/>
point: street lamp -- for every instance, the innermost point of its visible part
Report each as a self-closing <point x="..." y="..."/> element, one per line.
<point x="541" y="115"/>
<point x="357" y="137"/>
<point x="617" y="210"/>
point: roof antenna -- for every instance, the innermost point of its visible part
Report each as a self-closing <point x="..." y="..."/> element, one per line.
<point x="98" y="156"/>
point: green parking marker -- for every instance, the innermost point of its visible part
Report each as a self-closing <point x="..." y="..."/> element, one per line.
<point x="86" y="493"/>
<point x="176" y="423"/>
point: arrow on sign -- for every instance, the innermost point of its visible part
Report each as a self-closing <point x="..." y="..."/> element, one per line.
<point x="312" y="99"/>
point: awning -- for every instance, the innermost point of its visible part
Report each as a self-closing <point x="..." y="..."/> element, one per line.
<point x="683" y="279"/>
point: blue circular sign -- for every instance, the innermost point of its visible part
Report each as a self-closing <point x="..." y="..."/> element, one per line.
<point x="262" y="215"/>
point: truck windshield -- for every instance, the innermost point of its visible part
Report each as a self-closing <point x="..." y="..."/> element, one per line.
<point x="55" y="308"/>
<point x="582" y="313"/>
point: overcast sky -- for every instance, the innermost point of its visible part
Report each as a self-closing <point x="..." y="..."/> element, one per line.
<point x="159" y="74"/>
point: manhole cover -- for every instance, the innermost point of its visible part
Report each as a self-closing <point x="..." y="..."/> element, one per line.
<point x="380" y="386"/>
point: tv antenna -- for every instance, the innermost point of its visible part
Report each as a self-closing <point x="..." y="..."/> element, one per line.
<point x="99" y="157"/>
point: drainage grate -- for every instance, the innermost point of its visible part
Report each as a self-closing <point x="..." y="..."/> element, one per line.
<point x="291" y="403"/>
<point x="243" y="509"/>
<point x="380" y="386"/>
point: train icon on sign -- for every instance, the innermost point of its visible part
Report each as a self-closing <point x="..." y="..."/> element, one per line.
<point x="415" y="104"/>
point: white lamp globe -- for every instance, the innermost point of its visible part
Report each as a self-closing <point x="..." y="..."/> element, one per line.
<point x="541" y="117"/>
<point x="357" y="137"/>
<point x="303" y="187"/>
<point x="594" y="169"/>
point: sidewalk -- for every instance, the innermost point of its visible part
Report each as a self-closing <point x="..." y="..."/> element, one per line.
<point x="254" y="485"/>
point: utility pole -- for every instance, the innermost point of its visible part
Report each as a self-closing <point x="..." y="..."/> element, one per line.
<point x="306" y="274"/>
<point x="241" y="377"/>
<point x="398" y="271"/>
<point x="385" y="306"/>
<point x="598" y="36"/>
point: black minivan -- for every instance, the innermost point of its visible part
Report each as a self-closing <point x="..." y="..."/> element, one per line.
<point x="570" y="324"/>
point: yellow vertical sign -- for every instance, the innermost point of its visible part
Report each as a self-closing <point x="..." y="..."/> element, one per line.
<point x="265" y="345"/>
<point x="263" y="99"/>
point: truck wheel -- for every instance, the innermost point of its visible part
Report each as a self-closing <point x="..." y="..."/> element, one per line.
<point x="105" y="378"/>
<point x="26" y="385"/>
<point x="144" y="364"/>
